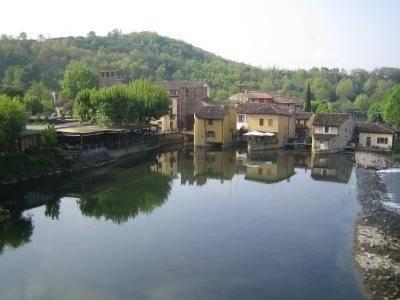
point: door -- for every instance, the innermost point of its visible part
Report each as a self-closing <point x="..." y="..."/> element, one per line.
<point x="368" y="142"/>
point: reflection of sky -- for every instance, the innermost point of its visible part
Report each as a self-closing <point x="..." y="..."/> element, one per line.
<point x="233" y="240"/>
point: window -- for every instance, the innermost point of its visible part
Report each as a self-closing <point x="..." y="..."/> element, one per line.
<point x="270" y="122"/>
<point x="210" y="122"/>
<point x="241" y="118"/>
<point x="381" y="140"/>
<point x="211" y="134"/>
<point x="259" y="171"/>
<point x="269" y="172"/>
<point x="261" y="122"/>
<point x="326" y="129"/>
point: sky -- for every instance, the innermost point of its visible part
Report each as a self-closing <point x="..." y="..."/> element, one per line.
<point x="283" y="33"/>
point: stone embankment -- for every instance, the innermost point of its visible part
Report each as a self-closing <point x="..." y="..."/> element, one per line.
<point x="377" y="236"/>
<point x="372" y="160"/>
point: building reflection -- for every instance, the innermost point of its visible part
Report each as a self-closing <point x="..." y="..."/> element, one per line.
<point x="214" y="164"/>
<point x="270" y="167"/>
<point x="335" y="168"/>
<point x="167" y="164"/>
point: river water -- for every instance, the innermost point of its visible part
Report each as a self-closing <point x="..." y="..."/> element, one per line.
<point x="185" y="224"/>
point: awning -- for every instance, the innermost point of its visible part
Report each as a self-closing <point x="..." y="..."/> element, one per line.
<point x="259" y="133"/>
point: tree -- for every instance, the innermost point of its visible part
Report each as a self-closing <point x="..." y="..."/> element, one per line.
<point x="78" y="76"/>
<point x="49" y="136"/>
<point x="12" y="119"/>
<point x="38" y="99"/>
<point x="321" y="88"/>
<point x="391" y="106"/>
<point x="322" y="106"/>
<point x="121" y="105"/>
<point x="370" y="85"/>
<point x="14" y="79"/>
<point x="83" y="108"/>
<point x="374" y="113"/>
<point x="362" y="102"/>
<point x="307" y="99"/>
<point x="345" y="89"/>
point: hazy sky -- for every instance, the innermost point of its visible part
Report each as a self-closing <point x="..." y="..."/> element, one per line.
<point x="284" y="33"/>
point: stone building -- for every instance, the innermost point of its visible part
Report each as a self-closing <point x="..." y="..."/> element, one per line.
<point x="331" y="132"/>
<point x="258" y="97"/>
<point x="109" y="78"/>
<point x="187" y="97"/>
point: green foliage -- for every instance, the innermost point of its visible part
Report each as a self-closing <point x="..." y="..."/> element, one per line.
<point x="362" y="102"/>
<point x="134" y="191"/>
<point x="307" y="99"/>
<point x="122" y="105"/>
<point x="374" y="113"/>
<point x="49" y="136"/>
<point x="12" y="119"/>
<point x="151" y="56"/>
<point x="391" y="107"/>
<point x="345" y="89"/>
<point x="321" y="106"/>
<point x="322" y="89"/>
<point x="14" y="165"/>
<point x="78" y="76"/>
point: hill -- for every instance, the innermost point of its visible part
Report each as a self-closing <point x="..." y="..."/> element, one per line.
<point x="149" y="55"/>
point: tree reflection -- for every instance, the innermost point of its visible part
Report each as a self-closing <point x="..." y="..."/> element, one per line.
<point x="15" y="229"/>
<point x="131" y="192"/>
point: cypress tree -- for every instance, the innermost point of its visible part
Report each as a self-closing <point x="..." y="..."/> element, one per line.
<point x="307" y="99"/>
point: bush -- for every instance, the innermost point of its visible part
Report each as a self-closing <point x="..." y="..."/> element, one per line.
<point x="49" y="136"/>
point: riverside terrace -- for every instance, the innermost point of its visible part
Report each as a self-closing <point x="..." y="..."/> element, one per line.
<point x="91" y="137"/>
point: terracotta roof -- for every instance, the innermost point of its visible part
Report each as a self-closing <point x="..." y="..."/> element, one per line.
<point x="262" y="109"/>
<point x="304" y="115"/>
<point x="251" y="95"/>
<point x="182" y="84"/>
<point x="259" y="95"/>
<point x="322" y="119"/>
<point x="374" y="128"/>
<point x="286" y="100"/>
<point x="323" y="136"/>
<point x="212" y="112"/>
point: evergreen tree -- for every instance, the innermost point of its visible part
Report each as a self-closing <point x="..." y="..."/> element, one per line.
<point x="307" y="99"/>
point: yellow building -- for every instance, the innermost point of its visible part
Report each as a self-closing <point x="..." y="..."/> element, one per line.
<point x="169" y="123"/>
<point x="214" y="124"/>
<point x="269" y="118"/>
<point x="375" y="136"/>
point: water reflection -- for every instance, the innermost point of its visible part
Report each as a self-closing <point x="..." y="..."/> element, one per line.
<point x="271" y="167"/>
<point x="15" y="229"/>
<point x="335" y="168"/>
<point x="119" y="193"/>
<point x="128" y="193"/>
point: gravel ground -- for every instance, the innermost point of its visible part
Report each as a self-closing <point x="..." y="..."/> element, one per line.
<point x="377" y="249"/>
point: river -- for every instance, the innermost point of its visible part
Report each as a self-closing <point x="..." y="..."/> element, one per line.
<point x="185" y="224"/>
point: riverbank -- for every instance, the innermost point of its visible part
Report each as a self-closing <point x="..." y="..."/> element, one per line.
<point x="22" y="167"/>
<point x="375" y="160"/>
<point x="377" y="243"/>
